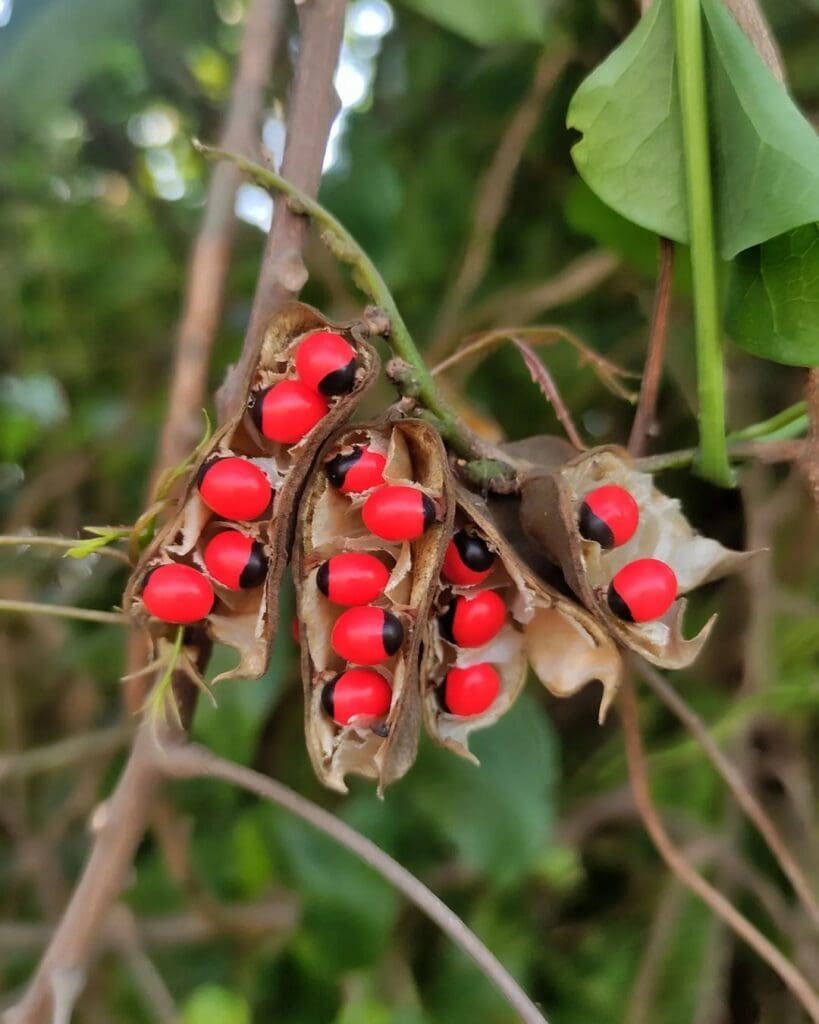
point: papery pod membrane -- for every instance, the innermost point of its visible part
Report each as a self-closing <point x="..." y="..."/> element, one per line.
<point x="550" y="506"/>
<point x="563" y="643"/>
<point x="331" y="523"/>
<point x="247" y="619"/>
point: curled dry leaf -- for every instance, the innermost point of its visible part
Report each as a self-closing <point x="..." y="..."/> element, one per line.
<point x="330" y="523"/>
<point x="565" y="646"/>
<point x="246" y="619"/>
<point x="550" y="504"/>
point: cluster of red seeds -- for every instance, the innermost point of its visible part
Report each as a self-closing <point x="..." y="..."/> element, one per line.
<point x="643" y="589"/>
<point x="470" y="620"/>
<point x="365" y="634"/>
<point x="235" y="488"/>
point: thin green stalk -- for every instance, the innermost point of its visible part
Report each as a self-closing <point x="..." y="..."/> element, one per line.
<point x="713" y="455"/>
<point x="345" y="248"/>
<point x="790" y="422"/>
<point x="62" y="611"/>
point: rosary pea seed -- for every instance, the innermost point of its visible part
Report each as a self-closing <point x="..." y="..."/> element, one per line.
<point x="642" y="590"/>
<point x="287" y="411"/>
<point x="398" y="513"/>
<point x="177" y="593"/>
<point x="468" y="559"/>
<point x="609" y="515"/>
<point x="235" y="560"/>
<point x="356" y="471"/>
<point x="356" y="692"/>
<point x="327" y="363"/>
<point x="474" y="621"/>
<point x="367" y="636"/>
<point x="472" y="690"/>
<point x="352" y="578"/>
<point x="234" y="488"/>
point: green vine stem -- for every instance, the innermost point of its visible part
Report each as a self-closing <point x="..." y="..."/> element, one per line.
<point x="415" y="379"/>
<point x="62" y="611"/>
<point x="713" y="454"/>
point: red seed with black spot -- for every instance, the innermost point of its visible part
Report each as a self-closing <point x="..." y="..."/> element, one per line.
<point x="367" y="636"/>
<point x="470" y="691"/>
<point x="235" y="560"/>
<point x="234" y="488"/>
<point x="358" y="470"/>
<point x="473" y="621"/>
<point x="177" y="593"/>
<point x="398" y="512"/>
<point x="643" y="590"/>
<point x="468" y="559"/>
<point x="352" y="578"/>
<point x="287" y="411"/>
<point x="327" y="363"/>
<point x="609" y="515"/>
<point x="356" y="692"/>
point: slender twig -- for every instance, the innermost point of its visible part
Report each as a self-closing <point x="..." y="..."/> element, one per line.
<point x="762" y="451"/>
<point x="57" y="756"/>
<point x="735" y="782"/>
<point x="714" y="900"/>
<point x="810" y="458"/>
<point x="492" y="200"/>
<point x="713" y="457"/>
<point x="655" y="355"/>
<point x="544" y="380"/>
<point x="210" y="255"/>
<point x="416" y="380"/>
<point x="63" y="611"/>
<point x="790" y="422"/>
<point x="33" y="541"/>
<point x="192" y="761"/>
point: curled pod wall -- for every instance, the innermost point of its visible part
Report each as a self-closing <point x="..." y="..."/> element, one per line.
<point x="235" y="519"/>
<point x="552" y="515"/>
<point x="565" y="646"/>
<point x="332" y="524"/>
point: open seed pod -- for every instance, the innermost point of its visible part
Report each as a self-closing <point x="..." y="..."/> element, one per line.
<point x="565" y="646"/>
<point x="551" y="503"/>
<point x="245" y="597"/>
<point x="331" y="524"/>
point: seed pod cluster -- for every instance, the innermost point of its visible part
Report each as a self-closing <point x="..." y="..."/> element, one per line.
<point x="625" y="548"/>
<point x="491" y="618"/>
<point x="217" y="562"/>
<point x="373" y="527"/>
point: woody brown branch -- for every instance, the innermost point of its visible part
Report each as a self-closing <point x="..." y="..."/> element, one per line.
<point x="124" y="816"/>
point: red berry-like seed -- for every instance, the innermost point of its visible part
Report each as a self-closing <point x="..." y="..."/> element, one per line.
<point x="474" y="621"/>
<point x="235" y="560"/>
<point x="609" y="515"/>
<point x="643" y="590"/>
<point x="468" y="559"/>
<point x="358" y="691"/>
<point x="177" y="593"/>
<point x="287" y="411"/>
<point x="326" y="362"/>
<point x="367" y="636"/>
<point x="352" y="578"/>
<point x="471" y="691"/>
<point x="234" y="488"/>
<point x="356" y="471"/>
<point x="398" y="513"/>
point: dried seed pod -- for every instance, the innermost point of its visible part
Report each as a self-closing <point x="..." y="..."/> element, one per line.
<point x="331" y="523"/>
<point x="245" y="613"/>
<point x="564" y="644"/>
<point x="551" y="502"/>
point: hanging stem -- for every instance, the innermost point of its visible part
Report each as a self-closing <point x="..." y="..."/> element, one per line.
<point x="416" y="380"/>
<point x="713" y="457"/>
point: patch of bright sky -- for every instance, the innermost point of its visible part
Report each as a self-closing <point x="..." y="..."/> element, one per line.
<point x="6" y="8"/>
<point x="366" y="24"/>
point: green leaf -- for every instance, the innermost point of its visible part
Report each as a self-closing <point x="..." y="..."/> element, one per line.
<point x="773" y="298"/>
<point x="211" y="1004"/>
<point x="765" y="154"/>
<point x="486" y="22"/>
<point x="103" y="538"/>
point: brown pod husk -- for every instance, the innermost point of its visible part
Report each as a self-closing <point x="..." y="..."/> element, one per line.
<point x="563" y="643"/>
<point x="550" y="505"/>
<point x="247" y="619"/>
<point x="331" y="523"/>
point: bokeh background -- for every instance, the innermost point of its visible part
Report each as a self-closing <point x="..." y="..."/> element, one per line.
<point x="101" y="193"/>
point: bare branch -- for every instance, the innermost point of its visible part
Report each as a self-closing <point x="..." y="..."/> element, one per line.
<point x="63" y="611"/>
<point x="210" y="255"/>
<point x="735" y="782"/>
<point x="655" y="354"/>
<point x="57" y="756"/>
<point x="541" y="376"/>
<point x="313" y="106"/>
<point x="192" y="761"/>
<point x="714" y="899"/>
<point x="493" y="197"/>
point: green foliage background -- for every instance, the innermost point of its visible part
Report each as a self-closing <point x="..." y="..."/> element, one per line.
<point x="93" y="253"/>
